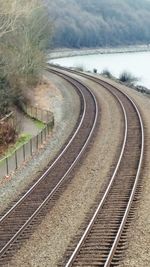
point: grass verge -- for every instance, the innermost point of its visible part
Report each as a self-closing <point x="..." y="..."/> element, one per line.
<point x="23" y="139"/>
<point x="39" y="124"/>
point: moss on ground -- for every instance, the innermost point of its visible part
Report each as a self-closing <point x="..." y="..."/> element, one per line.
<point x="39" y="124"/>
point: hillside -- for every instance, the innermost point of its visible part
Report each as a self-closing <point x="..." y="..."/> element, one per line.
<point x="91" y="23"/>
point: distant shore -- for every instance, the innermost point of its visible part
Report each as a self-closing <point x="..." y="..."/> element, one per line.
<point x="60" y="53"/>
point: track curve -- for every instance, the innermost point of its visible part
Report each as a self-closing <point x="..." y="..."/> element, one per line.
<point x="101" y="243"/>
<point x="17" y="219"/>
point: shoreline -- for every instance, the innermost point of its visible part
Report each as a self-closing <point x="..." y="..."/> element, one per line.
<point x="66" y="52"/>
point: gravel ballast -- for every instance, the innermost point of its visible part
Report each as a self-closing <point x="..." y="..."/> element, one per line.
<point x="66" y="108"/>
<point x="138" y="238"/>
<point x="49" y="242"/>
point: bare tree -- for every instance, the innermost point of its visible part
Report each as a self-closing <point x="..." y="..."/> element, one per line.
<point x="24" y="31"/>
<point x="11" y="10"/>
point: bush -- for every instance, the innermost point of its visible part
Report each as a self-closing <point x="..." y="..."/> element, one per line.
<point x="5" y="97"/>
<point x="107" y="73"/>
<point x="128" y="78"/>
<point x="80" y="67"/>
<point x="7" y="134"/>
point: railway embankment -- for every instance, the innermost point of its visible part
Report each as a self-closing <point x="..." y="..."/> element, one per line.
<point x="138" y="238"/>
<point x="62" y="223"/>
<point x="72" y="207"/>
<point x="62" y="100"/>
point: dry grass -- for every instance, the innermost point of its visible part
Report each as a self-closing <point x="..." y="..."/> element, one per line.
<point x="7" y="136"/>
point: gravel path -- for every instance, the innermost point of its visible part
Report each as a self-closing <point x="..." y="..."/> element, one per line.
<point x="48" y="243"/>
<point x="66" y="108"/>
<point x="138" y="252"/>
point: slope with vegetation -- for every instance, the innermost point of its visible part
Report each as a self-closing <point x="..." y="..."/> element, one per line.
<point x="25" y="31"/>
<point x="91" y="23"/>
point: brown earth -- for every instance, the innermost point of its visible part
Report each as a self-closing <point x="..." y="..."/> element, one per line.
<point x="43" y="94"/>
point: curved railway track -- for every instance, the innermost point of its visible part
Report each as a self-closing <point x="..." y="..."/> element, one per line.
<point x="103" y="239"/>
<point x="24" y="212"/>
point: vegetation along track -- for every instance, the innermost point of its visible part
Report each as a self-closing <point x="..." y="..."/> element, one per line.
<point x="17" y="220"/>
<point x="103" y="239"/>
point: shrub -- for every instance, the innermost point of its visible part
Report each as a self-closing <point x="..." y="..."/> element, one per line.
<point x="128" y="78"/>
<point x="107" y="73"/>
<point x="7" y="134"/>
<point x="80" y="67"/>
<point x="5" y="97"/>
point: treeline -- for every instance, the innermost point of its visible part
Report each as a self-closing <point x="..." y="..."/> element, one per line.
<point x="91" y="23"/>
<point x="25" y="31"/>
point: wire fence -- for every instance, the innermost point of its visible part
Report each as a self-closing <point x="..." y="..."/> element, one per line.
<point x="10" y="163"/>
<point x="37" y="113"/>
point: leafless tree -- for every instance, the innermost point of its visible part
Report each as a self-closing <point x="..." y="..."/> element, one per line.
<point x="24" y="31"/>
<point x="11" y="10"/>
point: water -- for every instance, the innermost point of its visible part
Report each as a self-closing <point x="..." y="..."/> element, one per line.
<point x="137" y="63"/>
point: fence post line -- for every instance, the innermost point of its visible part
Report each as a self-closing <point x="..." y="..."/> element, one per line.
<point x="33" y="112"/>
<point x="41" y="115"/>
<point x="7" y="167"/>
<point x="45" y="133"/>
<point x="31" y="147"/>
<point x="47" y="116"/>
<point x="36" y="112"/>
<point x="42" y="137"/>
<point x="48" y="129"/>
<point x="16" y="161"/>
<point x="24" y="154"/>
<point x="34" y="143"/>
<point x="37" y="142"/>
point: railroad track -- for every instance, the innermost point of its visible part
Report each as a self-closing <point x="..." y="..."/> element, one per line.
<point x="103" y="239"/>
<point x="17" y="220"/>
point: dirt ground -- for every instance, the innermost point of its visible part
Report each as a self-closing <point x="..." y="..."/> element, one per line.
<point x="44" y="95"/>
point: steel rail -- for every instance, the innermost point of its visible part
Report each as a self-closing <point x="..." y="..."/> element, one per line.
<point x="51" y="166"/>
<point x="71" y="259"/>
<point x="3" y="250"/>
<point x="120" y="230"/>
<point x="131" y="198"/>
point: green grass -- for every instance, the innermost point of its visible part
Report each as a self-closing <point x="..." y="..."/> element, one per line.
<point x="23" y="139"/>
<point x="39" y="124"/>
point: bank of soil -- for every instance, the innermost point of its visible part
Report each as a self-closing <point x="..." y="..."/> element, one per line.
<point x="45" y="95"/>
<point x="60" y="98"/>
<point x="49" y="242"/>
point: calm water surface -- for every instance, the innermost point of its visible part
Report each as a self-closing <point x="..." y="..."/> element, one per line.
<point x="136" y="63"/>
